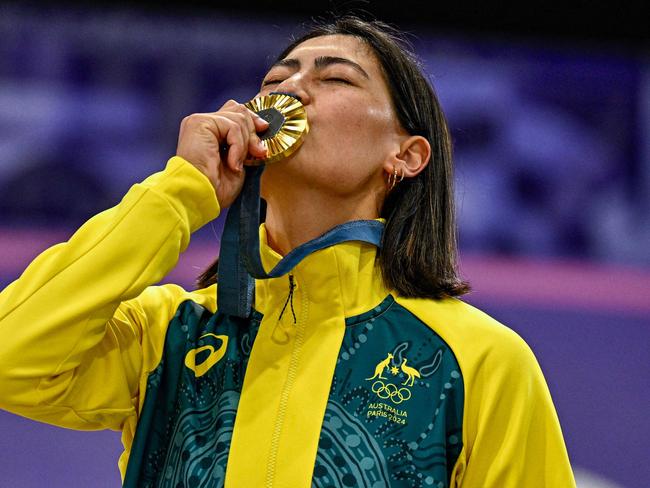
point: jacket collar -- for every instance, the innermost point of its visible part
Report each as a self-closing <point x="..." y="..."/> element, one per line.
<point x="347" y="274"/>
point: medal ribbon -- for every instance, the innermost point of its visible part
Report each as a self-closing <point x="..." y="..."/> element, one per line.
<point x="239" y="259"/>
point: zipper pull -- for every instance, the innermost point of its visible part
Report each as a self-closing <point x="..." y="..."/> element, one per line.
<point x="292" y="285"/>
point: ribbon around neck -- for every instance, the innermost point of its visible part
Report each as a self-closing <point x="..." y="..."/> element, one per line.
<point x="240" y="262"/>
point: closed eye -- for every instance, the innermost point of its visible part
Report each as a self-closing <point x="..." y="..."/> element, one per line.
<point x="271" y="82"/>
<point x="338" y="80"/>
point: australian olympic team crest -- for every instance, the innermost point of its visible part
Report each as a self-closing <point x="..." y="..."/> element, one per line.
<point x="392" y="383"/>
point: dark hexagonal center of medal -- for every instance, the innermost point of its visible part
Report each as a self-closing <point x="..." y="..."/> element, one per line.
<point x="275" y="120"/>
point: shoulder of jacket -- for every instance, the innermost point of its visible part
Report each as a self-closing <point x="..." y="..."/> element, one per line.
<point x="168" y="297"/>
<point x="476" y="338"/>
<point x="151" y="312"/>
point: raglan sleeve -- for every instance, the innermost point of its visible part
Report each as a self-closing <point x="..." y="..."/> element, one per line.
<point x="513" y="435"/>
<point x="73" y="326"/>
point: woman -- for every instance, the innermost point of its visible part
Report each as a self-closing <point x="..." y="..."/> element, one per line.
<point x="358" y="368"/>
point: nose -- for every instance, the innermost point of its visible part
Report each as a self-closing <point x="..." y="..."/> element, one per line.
<point x="295" y="86"/>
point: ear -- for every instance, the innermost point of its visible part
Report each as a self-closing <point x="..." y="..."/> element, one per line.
<point x="413" y="157"/>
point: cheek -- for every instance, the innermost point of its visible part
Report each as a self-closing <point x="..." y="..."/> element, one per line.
<point x="363" y="123"/>
<point x="380" y="115"/>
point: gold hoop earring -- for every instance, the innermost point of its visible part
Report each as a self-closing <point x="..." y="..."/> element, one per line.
<point x="392" y="179"/>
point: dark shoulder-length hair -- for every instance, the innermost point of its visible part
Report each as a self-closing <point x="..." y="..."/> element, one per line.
<point x="418" y="257"/>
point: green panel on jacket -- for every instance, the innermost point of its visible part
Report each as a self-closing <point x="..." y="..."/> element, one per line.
<point x="186" y="423"/>
<point x="393" y="419"/>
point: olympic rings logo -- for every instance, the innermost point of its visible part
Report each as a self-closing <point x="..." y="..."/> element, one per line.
<point x="389" y="390"/>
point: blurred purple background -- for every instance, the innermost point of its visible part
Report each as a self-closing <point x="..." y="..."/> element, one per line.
<point x="552" y="144"/>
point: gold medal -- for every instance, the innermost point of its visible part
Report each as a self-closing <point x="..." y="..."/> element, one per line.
<point x="287" y="125"/>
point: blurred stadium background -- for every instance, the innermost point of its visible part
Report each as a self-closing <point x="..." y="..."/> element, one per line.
<point x="551" y="120"/>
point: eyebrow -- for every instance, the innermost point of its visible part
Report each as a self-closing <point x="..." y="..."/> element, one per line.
<point x="321" y="62"/>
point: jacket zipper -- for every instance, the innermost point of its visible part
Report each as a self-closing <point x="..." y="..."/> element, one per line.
<point x="288" y="385"/>
<point x="292" y="286"/>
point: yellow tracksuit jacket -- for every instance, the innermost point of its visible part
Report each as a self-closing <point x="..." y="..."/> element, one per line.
<point x="334" y="381"/>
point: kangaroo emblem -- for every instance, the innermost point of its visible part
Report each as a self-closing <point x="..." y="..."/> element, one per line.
<point x="412" y="373"/>
<point x="380" y="367"/>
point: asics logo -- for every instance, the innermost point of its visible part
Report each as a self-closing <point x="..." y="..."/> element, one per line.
<point x="213" y="358"/>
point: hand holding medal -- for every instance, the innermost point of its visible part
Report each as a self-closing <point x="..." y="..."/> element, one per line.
<point x="220" y="143"/>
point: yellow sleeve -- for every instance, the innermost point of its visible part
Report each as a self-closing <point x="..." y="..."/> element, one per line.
<point x="76" y="327"/>
<point x="513" y="433"/>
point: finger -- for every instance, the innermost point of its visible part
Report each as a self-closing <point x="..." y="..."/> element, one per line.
<point x="229" y="105"/>
<point x="237" y="141"/>
<point x="249" y="137"/>
<point x="255" y="145"/>
<point x="260" y="123"/>
<point x="245" y="118"/>
<point x="229" y="132"/>
<point x="254" y="124"/>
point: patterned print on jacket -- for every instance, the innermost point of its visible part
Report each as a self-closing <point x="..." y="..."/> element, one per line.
<point x="394" y="415"/>
<point x="393" y="418"/>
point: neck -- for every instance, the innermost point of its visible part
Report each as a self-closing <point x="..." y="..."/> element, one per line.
<point x="298" y="215"/>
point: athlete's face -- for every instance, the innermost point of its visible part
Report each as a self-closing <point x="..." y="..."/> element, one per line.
<point x="354" y="133"/>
